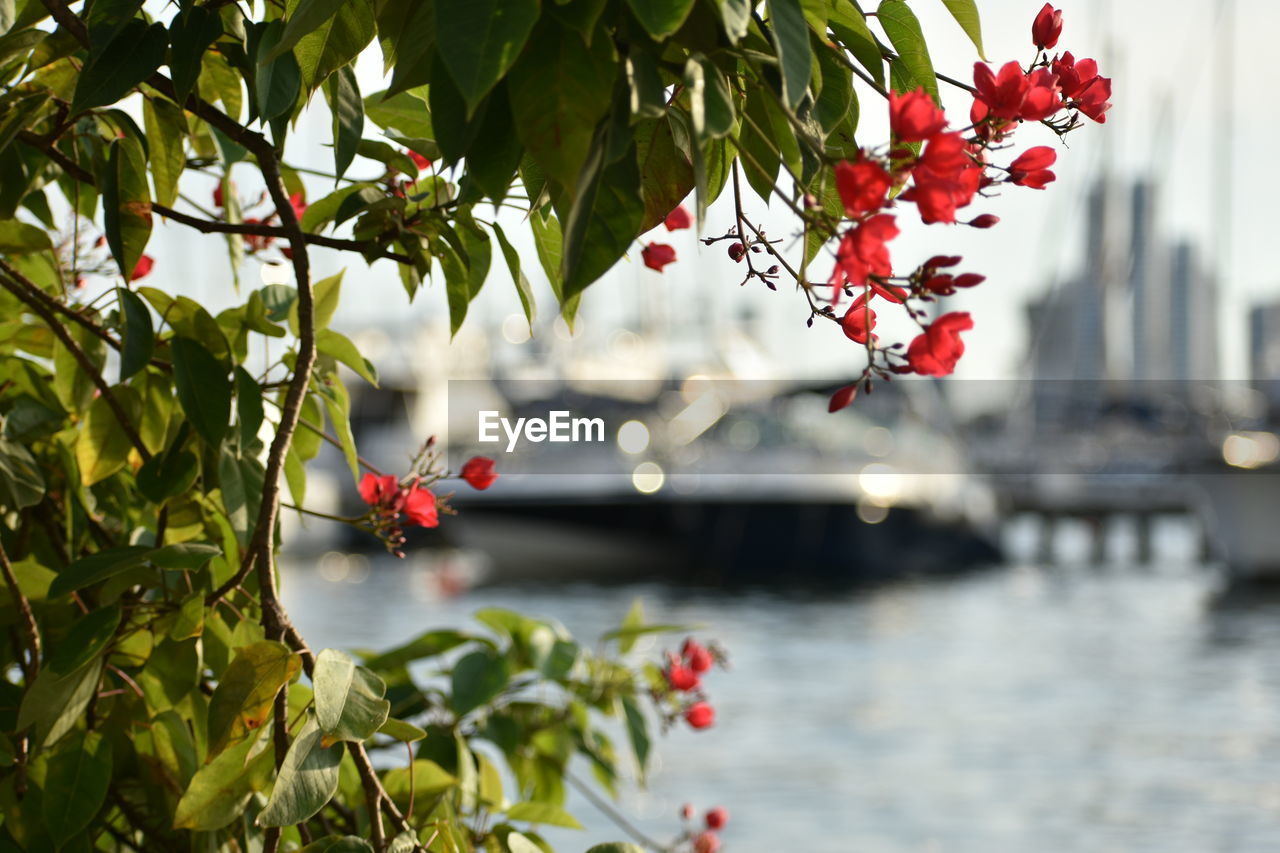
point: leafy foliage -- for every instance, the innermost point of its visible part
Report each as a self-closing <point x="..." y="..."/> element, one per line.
<point x="156" y="693"/>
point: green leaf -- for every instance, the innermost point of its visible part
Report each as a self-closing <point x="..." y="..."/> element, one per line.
<point x="903" y="29"/>
<point x="638" y="732"/>
<point x="477" y="678"/>
<point x="405" y="112"/>
<point x="401" y="731"/>
<point x="426" y="645"/>
<point x="661" y="18"/>
<point x="543" y="813"/>
<point x="349" y="703"/>
<point x="307" y="780"/>
<point x="710" y="103"/>
<point x="166" y="134"/>
<point x="479" y="40"/>
<point x="130" y="58"/>
<point x="102" y="445"/>
<point x="76" y="785"/>
<point x="523" y="290"/>
<point x="340" y="347"/>
<point x="384" y="153"/>
<point x="616" y="847"/>
<point x="343" y="93"/>
<point x="595" y="240"/>
<point x="517" y="843"/>
<point x="126" y="203"/>
<point x="241" y="702"/>
<point x="21" y="238"/>
<point x="428" y="778"/>
<point x="324" y="298"/>
<point x="736" y="15"/>
<point x="97" y="567"/>
<point x="648" y="95"/>
<point x="666" y="174"/>
<point x="183" y="556"/>
<point x="277" y="80"/>
<point x="53" y="703"/>
<point x="248" y="406"/>
<point x="139" y="334"/>
<point x="203" y="389"/>
<point x="630" y="623"/>
<point x="306" y="17"/>
<point x="966" y="14"/>
<point x="190" y="34"/>
<point x="168" y="475"/>
<point x="317" y="215"/>
<point x="407" y="32"/>
<point x="219" y="791"/>
<point x="85" y="641"/>
<point x="494" y="155"/>
<point x="240" y="479"/>
<point x="849" y="25"/>
<point x="335" y="43"/>
<point x="559" y="90"/>
<point x="790" y="34"/>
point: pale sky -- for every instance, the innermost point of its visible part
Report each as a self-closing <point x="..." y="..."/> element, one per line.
<point x="1158" y="54"/>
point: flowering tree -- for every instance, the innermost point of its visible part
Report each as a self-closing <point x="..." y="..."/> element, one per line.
<point x="157" y="696"/>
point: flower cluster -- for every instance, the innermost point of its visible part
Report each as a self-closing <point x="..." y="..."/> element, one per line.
<point x="256" y="243"/>
<point x="395" y="503"/>
<point x="703" y="840"/>
<point x="942" y="171"/>
<point x="682" y="680"/>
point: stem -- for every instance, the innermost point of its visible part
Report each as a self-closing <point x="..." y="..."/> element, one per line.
<point x="613" y="814"/>
<point x="15" y="283"/>
<point x="30" y="630"/>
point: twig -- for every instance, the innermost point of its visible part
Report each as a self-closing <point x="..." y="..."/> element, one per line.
<point x="614" y="815"/>
<point x="30" y="630"/>
<point x="12" y="281"/>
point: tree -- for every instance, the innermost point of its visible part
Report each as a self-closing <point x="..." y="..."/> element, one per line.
<point x="157" y="695"/>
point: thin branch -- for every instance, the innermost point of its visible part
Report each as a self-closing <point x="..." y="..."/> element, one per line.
<point x="30" y="630"/>
<point x="607" y="809"/>
<point x="16" y="283"/>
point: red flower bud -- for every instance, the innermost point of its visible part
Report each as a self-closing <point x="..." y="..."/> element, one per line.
<point x="717" y="818"/>
<point x="686" y="811"/>
<point x="143" y="268"/>
<point x="681" y="678"/>
<point x="843" y="397"/>
<point x="217" y="196"/>
<point x="478" y="472"/>
<point x="737" y="252"/>
<point x="970" y="279"/>
<point x="986" y="220"/>
<point x="1047" y="27"/>
<point x="938" y="261"/>
<point x="419" y="161"/>
<point x="706" y="842"/>
<point x="700" y="715"/>
<point x="696" y="656"/>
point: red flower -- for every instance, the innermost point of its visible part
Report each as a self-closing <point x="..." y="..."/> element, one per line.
<point x="420" y="506"/>
<point x="1044" y="97"/>
<point x="1004" y="93"/>
<point x="863" y="253"/>
<point x="986" y="220"/>
<point x="1031" y="168"/>
<point x="914" y="117"/>
<point x="1047" y="27"/>
<point x="217" y="196"/>
<point x="419" y="161"/>
<point x="985" y="125"/>
<point x="700" y="715"/>
<point x="677" y="219"/>
<point x="681" y="677"/>
<point x="858" y="321"/>
<point x="863" y="186"/>
<point x="658" y="255"/>
<point x="143" y="268"/>
<point x="716" y="818"/>
<point x="706" y="842"/>
<point x="256" y="242"/>
<point x="936" y="351"/>
<point x="298" y="203"/>
<point x="1083" y="86"/>
<point x="478" y="472"/>
<point x="375" y="490"/>
<point x="946" y="178"/>
<point x="696" y="656"/>
<point x="842" y="397"/>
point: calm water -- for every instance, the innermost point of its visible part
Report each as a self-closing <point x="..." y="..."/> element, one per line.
<point x="1019" y="710"/>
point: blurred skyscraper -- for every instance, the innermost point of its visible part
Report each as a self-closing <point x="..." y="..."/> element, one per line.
<point x="1141" y="309"/>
